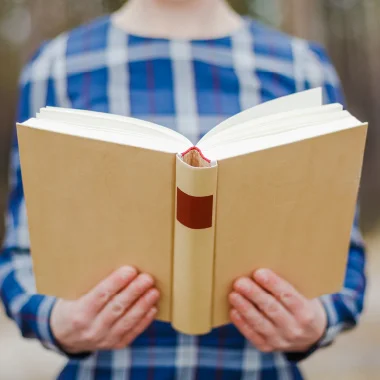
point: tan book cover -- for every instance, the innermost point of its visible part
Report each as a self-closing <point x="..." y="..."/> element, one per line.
<point x="93" y="207"/>
<point x="193" y="223"/>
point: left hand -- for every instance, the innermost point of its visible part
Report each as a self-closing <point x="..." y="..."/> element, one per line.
<point x="273" y="316"/>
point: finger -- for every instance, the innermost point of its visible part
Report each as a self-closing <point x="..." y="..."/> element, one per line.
<point x="267" y="304"/>
<point x="139" y="328"/>
<point x="121" y="302"/>
<point x="135" y="314"/>
<point x="255" y="338"/>
<point x="282" y="290"/>
<point x="99" y="296"/>
<point x="255" y="319"/>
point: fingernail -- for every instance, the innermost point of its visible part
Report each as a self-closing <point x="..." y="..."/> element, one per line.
<point x="128" y="272"/>
<point x="262" y="275"/>
<point x="147" y="279"/>
<point x="286" y="298"/>
<point x="233" y="297"/>
<point x="152" y="295"/>
<point x="153" y="311"/>
<point x="242" y="284"/>
<point x="235" y="314"/>
<point x="237" y="299"/>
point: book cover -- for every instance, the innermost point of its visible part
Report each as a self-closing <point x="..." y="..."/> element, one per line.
<point x="275" y="190"/>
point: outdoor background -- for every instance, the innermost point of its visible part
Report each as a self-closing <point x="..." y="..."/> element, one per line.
<point x="350" y="30"/>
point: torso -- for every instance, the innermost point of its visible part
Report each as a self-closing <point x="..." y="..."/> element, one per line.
<point x="189" y="86"/>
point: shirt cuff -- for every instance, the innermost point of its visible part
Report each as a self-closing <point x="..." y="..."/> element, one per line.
<point x="46" y="334"/>
<point x="333" y="327"/>
<point x="328" y="337"/>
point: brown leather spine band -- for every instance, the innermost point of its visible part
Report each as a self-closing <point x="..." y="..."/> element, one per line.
<point x="194" y="212"/>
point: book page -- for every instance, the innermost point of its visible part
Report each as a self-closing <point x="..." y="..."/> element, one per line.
<point x="308" y="131"/>
<point x="143" y="138"/>
<point x="304" y="99"/>
<point x="274" y="124"/>
<point x="110" y="122"/>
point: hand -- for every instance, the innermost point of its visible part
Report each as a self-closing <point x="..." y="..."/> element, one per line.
<point x="110" y="316"/>
<point x="273" y="316"/>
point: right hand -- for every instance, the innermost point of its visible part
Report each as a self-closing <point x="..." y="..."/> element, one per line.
<point x="110" y="316"/>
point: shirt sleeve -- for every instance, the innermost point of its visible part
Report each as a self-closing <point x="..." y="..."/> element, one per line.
<point x="31" y="311"/>
<point x="344" y="308"/>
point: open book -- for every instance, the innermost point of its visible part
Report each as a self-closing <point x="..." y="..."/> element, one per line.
<point x="274" y="186"/>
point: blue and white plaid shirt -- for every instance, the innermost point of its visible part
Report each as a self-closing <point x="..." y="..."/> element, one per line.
<point x="189" y="86"/>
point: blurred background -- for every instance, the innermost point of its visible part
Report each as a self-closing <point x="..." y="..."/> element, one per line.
<point x="349" y="29"/>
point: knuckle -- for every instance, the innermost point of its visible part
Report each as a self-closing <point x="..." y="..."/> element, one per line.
<point x="266" y="348"/>
<point x="276" y="343"/>
<point x="251" y="317"/>
<point x="149" y="298"/>
<point x="283" y="345"/>
<point x="119" y="345"/>
<point x="272" y="306"/>
<point x="146" y="280"/>
<point x="132" y="320"/>
<point x="296" y="334"/>
<point x="127" y="325"/>
<point x="245" y="307"/>
<point x="117" y="307"/>
<point x="263" y="300"/>
<point x="89" y="336"/>
<point x="104" y="345"/>
<point x="306" y="319"/>
<point x="145" y="303"/>
<point x="79" y="321"/>
<point x="261" y="324"/>
<point x="117" y="337"/>
<point x="287" y="298"/>
<point x="124" y="326"/>
<point x="103" y="295"/>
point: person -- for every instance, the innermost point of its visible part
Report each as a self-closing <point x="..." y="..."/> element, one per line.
<point x="185" y="64"/>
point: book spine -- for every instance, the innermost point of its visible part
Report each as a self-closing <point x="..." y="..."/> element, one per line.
<point x="194" y="237"/>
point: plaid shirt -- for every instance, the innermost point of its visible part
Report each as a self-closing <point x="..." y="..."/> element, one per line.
<point x="189" y="86"/>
